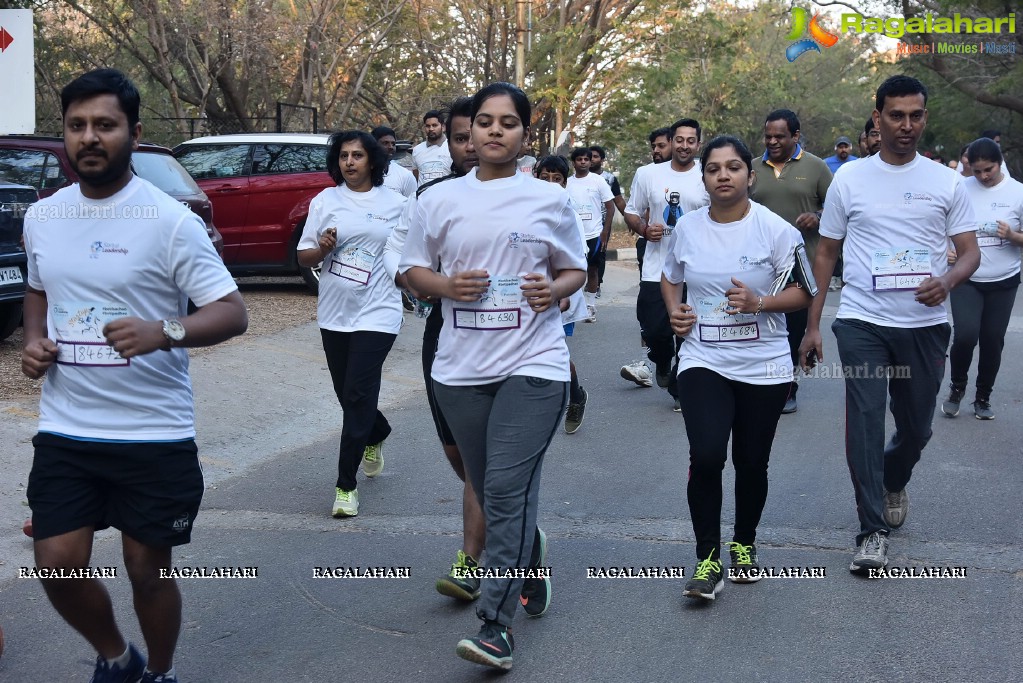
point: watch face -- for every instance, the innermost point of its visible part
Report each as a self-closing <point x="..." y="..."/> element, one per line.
<point x="174" y="330"/>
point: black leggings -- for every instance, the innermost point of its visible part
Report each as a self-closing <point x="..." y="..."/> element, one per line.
<point x="980" y="313"/>
<point x="715" y="408"/>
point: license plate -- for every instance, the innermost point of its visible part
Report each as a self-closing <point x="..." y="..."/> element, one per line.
<point x="10" y="276"/>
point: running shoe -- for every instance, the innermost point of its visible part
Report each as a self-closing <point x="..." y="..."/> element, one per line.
<point x="678" y="406"/>
<point x="536" y="593"/>
<point x="108" y="672"/>
<point x="745" y="566"/>
<point x="836" y="284"/>
<point x="373" y="460"/>
<point x="346" y="503"/>
<point x="591" y="314"/>
<point x="638" y="372"/>
<point x="982" y="410"/>
<point x="663" y="373"/>
<point x="872" y="553"/>
<point x="951" y="405"/>
<point x="896" y="507"/>
<point x="459" y="583"/>
<point x="707" y="580"/>
<point x="492" y="647"/>
<point x="574" y="414"/>
<point x="150" y="677"/>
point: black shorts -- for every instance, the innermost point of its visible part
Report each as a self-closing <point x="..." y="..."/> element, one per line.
<point x="431" y="336"/>
<point x="150" y="491"/>
<point x="593" y="251"/>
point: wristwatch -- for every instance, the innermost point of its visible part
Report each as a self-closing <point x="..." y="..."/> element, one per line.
<point x="174" y="331"/>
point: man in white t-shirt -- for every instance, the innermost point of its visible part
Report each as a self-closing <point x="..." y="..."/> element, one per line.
<point x="594" y="203"/>
<point x="663" y="192"/>
<point x="112" y="263"/>
<point x="431" y="156"/>
<point x="891" y="216"/>
<point x="398" y="178"/>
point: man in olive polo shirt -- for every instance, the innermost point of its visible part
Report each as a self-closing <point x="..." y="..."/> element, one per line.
<point x="792" y="183"/>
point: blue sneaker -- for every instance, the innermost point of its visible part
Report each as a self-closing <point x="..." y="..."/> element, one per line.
<point x="150" y="677"/>
<point x="112" y="673"/>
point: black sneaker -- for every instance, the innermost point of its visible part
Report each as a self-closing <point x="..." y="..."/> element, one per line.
<point x="951" y="405"/>
<point x="745" y="567"/>
<point x="151" y="677"/>
<point x="536" y="593"/>
<point x="663" y="374"/>
<point x="106" y="672"/>
<point x="574" y="414"/>
<point x="982" y="410"/>
<point x="707" y="580"/>
<point x="492" y="647"/>
<point x="459" y="583"/>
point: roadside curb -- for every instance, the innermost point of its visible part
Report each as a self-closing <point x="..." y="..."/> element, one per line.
<point x="625" y="254"/>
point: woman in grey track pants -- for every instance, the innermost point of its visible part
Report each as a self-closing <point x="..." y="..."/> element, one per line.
<point x="511" y="248"/>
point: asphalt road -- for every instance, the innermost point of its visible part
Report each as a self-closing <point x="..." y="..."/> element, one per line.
<point x="613" y="495"/>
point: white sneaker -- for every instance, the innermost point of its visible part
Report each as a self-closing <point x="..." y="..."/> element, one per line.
<point x="373" y="459"/>
<point x="638" y="372"/>
<point x="591" y="310"/>
<point x="346" y="503"/>
<point x="836" y="284"/>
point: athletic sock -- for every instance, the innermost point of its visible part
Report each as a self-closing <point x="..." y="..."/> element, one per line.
<point x="123" y="660"/>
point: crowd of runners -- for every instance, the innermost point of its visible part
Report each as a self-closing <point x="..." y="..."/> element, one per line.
<point x="503" y="254"/>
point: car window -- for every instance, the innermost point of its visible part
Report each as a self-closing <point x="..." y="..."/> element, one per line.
<point x="165" y="172"/>
<point x="214" y="161"/>
<point x="32" y="167"/>
<point x="267" y="159"/>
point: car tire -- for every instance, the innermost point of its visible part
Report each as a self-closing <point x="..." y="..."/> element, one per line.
<point x="10" y="318"/>
<point x="311" y="277"/>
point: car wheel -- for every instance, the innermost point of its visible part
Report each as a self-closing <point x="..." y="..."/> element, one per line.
<point x="312" y="277"/>
<point x="10" y="318"/>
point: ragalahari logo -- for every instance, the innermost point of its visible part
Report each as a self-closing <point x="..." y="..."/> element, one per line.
<point x="818" y="36"/>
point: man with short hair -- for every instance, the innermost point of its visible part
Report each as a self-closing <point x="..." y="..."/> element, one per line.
<point x="891" y="215"/>
<point x="431" y="156"/>
<point x="594" y="203"/>
<point x="792" y="183"/>
<point x="398" y="178"/>
<point x="843" y="147"/>
<point x="660" y="194"/>
<point x="660" y="145"/>
<point x="597" y="156"/>
<point x="873" y="137"/>
<point x="106" y="323"/>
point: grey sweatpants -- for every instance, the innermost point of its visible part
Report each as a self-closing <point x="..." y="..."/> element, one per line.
<point x="907" y="365"/>
<point x="502" y="431"/>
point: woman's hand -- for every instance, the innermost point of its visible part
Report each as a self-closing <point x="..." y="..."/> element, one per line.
<point x="537" y="291"/>
<point x="682" y="319"/>
<point x="467" y="285"/>
<point x="741" y="299"/>
<point x="328" y="241"/>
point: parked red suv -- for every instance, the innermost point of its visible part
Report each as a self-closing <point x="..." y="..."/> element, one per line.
<point x="42" y="163"/>
<point x="261" y="185"/>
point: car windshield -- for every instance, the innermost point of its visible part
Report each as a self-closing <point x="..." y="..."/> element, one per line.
<point x="165" y="172"/>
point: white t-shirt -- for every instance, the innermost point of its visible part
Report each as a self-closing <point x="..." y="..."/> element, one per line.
<point x="589" y="194"/>
<point x="356" y="293"/>
<point x="508" y="227"/>
<point x="896" y="221"/>
<point x="707" y="255"/>
<point x="139" y="253"/>
<point x="432" y="161"/>
<point x="400" y="179"/>
<point x="668" y="194"/>
<point x="999" y="259"/>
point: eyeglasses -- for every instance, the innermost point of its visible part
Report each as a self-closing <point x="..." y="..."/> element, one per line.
<point x="874" y="134"/>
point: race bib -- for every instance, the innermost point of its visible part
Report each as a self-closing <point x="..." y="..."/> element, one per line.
<point x="987" y="235"/>
<point x="79" y="330"/>
<point x="353" y="263"/>
<point x="899" y="270"/>
<point x="714" y="324"/>
<point x="497" y="310"/>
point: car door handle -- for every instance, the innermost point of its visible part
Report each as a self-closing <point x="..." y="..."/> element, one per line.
<point x="226" y="189"/>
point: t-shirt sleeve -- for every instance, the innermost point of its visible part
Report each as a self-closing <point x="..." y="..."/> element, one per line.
<point x="834" y="220"/>
<point x="636" y="202"/>
<point x="419" y="250"/>
<point x="33" y="269"/>
<point x="960" y="216"/>
<point x="605" y="192"/>
<point x="674" y="271"/>
<point x="197" y="269"/>
<point x="409" y="184"/>
<point x="310" y="238"/>
<point x="568" y="248"/>
<point x="396" y="241"/>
